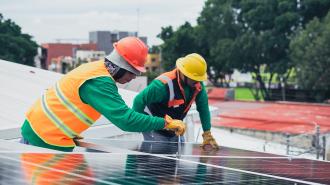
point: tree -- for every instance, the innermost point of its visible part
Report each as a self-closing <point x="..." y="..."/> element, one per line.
<point x="249" y="35"/>
<point x="267" y="27"/>
<point x="217" y="32"/>
<point x="177" y="44"/>
<point x="309" y="9"/>
<point x="16" y="46"/>
<point x="310" y="51"/>
<point x="154" y="50"/>
<point x="254" y="36"/>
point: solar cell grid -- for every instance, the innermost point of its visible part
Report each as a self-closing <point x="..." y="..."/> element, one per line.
<point x="107" y="168"/>
<point x="299" y="170"/>
<point x="295" y="168"/>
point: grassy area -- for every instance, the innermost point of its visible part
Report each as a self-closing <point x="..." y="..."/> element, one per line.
<point x="242" y="93"/>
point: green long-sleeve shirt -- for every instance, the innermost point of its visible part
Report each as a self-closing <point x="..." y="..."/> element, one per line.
<point x="102" y="94"/>
<point x="156" y="92"/>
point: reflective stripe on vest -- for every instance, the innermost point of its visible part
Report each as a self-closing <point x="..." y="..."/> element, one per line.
<point x="169" y="79"/>
<point x="60" y="115"/>
<point x="171" y="88"/>
<point x="66" y="102"/>
<point x="57" y="121"/>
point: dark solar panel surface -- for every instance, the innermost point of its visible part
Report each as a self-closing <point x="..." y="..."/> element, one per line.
<point x="295" y="168"/>
<point x="171" y="148"/>
<point x="250" y="161"/>
<point x="114" y="168"/>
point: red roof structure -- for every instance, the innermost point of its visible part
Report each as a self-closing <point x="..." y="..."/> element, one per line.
<point x="217" y="93"/>
<point x="284" y="117"/>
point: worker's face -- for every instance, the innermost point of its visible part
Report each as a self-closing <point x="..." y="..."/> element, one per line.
<point x="191" y="82"/>
<point x="188" y="81"/>
<point x="128" y="76"/>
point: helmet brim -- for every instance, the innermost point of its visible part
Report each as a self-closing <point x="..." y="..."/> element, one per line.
<point x="115" y="58"/>
<point x="141" y="69"/>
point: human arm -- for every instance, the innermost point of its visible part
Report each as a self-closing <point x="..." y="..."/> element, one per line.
<point x="155" y="92"/>
<point x="205" y="116"/>
<point x="203" y="109"/>
<point x="102" y="94"/>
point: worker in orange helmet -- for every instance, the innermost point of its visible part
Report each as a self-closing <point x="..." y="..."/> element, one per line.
<point x="79" y="98"/>
<point x="172" y="93"/>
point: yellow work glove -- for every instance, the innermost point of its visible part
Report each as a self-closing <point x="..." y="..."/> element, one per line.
<point x="209" y="140"/>
<point x="175" y="125"/>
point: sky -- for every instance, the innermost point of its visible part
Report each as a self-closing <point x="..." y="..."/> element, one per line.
<point x="49" y="20"/>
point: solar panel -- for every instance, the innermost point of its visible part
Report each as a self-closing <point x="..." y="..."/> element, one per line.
<point x="138" y="162"/>
<point x="115" y="168"/>
<point x="294" y="169"/>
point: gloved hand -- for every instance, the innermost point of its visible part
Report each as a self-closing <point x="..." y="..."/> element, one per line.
<point x="209" y="140"/>
<point x="175" y="125"/>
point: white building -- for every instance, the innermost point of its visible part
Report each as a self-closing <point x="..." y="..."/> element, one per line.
<point x="89" y="55"/>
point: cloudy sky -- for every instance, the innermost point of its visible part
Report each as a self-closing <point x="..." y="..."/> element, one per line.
<point x="48" y="20"/>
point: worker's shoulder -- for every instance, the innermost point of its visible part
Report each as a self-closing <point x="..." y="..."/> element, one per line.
<point x="156" y="83"/>
<point x="100" y="81"/>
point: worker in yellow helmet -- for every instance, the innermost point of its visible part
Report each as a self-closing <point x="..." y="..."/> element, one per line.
<point x="172" y="93"/>
<point x="79" y="98"/>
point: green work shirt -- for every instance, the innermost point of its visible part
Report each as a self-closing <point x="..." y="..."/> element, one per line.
<point x="156" y="92"/>
<point x="102" y="94"/>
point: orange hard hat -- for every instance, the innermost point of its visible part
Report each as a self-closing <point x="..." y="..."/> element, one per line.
<point x="134" y="51"/>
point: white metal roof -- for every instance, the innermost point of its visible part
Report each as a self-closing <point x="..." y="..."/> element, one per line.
<point x="20" y="86"/>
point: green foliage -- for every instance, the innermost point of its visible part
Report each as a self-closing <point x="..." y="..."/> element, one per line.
<point x="310" y="50"/>
<point x="249" y="35"/>
<point x="177" y="44"/>
<point x="242" y="93"/>
<point x="267" y="26"/>
<point x="14" y="45"/>
<point x="154" y="50"/>
<point x="314" y="8"/>
<point x="217" y="33"/>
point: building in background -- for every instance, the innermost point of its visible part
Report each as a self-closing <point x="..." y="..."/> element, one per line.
<point x="101" y="39"/>
<point x="52" y="51"/>
<point x="61" y="64"/>
<point x="153" y="63"/>
<point x="104" y="39"/>
<point x="88" y="55"/>
<point x="63" y="57"/>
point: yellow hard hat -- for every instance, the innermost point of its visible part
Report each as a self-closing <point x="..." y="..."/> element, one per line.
<point x="193" y="66"/>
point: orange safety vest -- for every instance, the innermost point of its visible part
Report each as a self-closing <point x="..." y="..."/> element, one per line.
<point x="60" y="115"/>
<point x="177" y="105"/>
